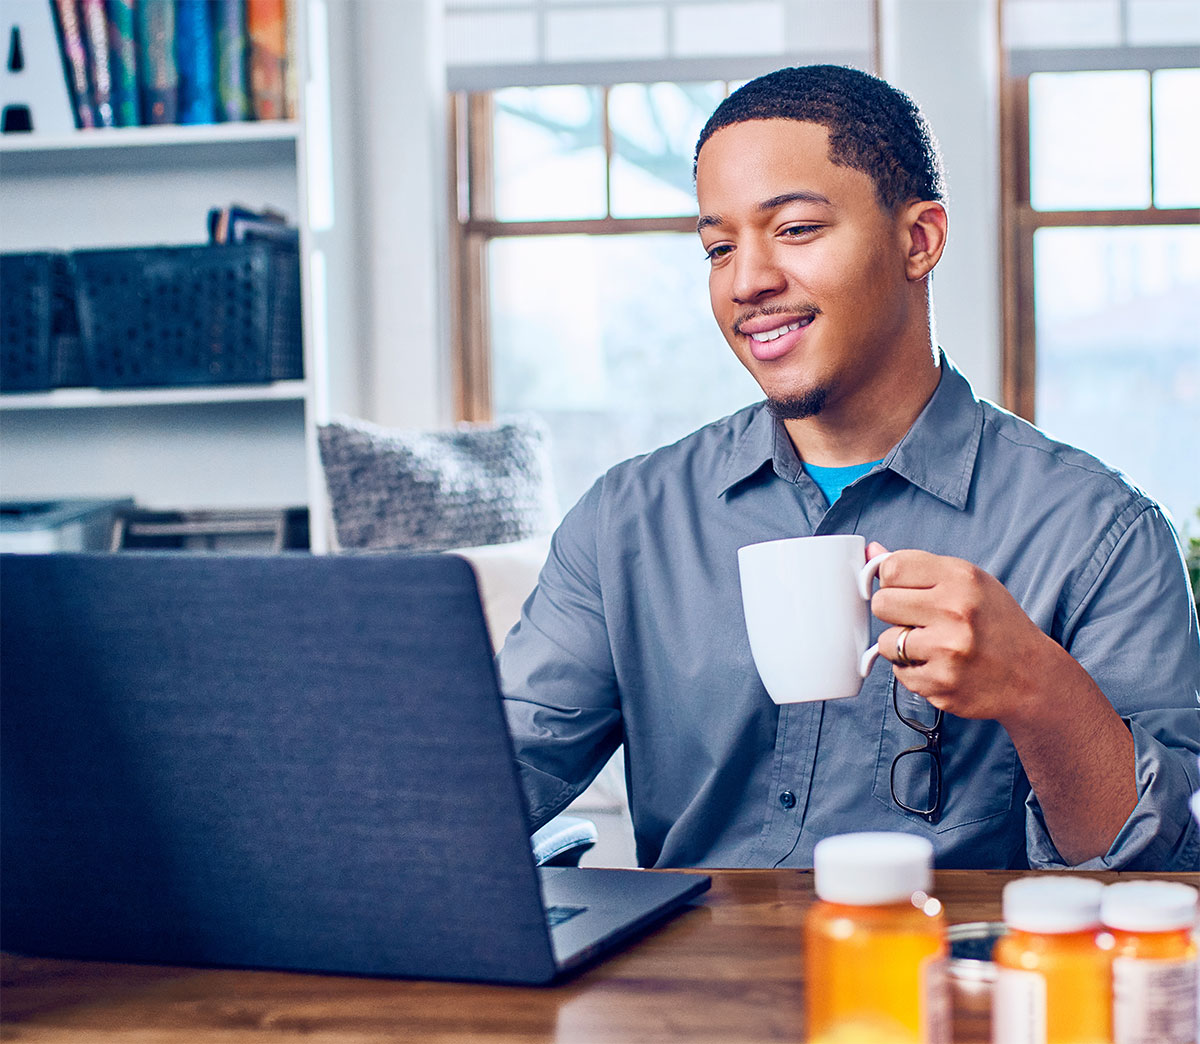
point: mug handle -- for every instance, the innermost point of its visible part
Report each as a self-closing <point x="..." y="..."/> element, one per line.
<point x="866" y="576"/>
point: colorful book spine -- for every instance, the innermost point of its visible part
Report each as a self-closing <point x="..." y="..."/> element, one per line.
<point x="266" y="26"/>
<point x="233" y="91"/>
<point x="197" y="62"/>
<point x="158" y="75"/>
<point x="122" y="56"/>
<point x="291" y="66"/>
<point x="75" y="61"/>
<point x="95" y="30"/>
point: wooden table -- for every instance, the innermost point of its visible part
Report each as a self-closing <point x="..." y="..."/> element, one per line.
<point x="728" y="971"/>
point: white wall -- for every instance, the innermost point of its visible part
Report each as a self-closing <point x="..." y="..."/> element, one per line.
<point x="944" y="53"/>
<point x="393" y="89"/>
<point x="503" y="43"/>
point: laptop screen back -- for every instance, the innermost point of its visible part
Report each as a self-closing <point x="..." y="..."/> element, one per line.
<point x="288" y="761"/>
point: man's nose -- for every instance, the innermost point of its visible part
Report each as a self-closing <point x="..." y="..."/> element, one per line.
<point x="756" y="274"/>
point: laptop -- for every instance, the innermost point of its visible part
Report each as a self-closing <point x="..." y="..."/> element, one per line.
<point x="288" y="761"/>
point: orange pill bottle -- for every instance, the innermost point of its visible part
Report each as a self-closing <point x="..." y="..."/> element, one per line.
<point x="875" y="943"/>
<point x="1054" y="967"/>
<point x="1154" y="961"/>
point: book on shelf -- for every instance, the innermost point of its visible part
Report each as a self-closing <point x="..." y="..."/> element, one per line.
<point x="149" y="62"/>
<point x="233" y="90"/>
<point x="158" y="73"/>
<point x="196" y="58"/>
<point x="266" y="27"/>
<point x="291" y="80"/>
<point x="69" y="23"/>
<point x="95" y="32"/>
<point x="122" y="60"/>
<point x="236" y="223"/>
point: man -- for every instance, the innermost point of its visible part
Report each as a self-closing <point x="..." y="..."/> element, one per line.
<point x="1035" y="597"/>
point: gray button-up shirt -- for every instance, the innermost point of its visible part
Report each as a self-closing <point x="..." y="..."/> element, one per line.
<point x="635" y="633"/>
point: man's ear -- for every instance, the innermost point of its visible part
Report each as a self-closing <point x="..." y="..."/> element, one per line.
<point x="924" y="223"/>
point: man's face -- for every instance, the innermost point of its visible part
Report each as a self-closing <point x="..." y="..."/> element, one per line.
<point x="808" y="279"/>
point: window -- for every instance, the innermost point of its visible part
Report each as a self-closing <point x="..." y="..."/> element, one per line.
<point x="582" y="285"/>
<point x="1102" y="341"/>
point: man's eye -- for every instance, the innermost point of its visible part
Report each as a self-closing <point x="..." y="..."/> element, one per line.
<point x="718" y="251"/>
<point x="799" y="231"/>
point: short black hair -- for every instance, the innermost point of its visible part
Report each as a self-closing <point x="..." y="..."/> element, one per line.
<point x="873" y="126"/>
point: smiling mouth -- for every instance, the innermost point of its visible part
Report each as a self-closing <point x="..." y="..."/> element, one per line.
<point x="779" y="331"/>
<point x="768" y="344"/>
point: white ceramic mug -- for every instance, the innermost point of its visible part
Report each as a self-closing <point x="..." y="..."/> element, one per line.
<point x="807" y="607"/>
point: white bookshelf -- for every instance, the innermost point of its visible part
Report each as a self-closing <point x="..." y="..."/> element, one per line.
<point x="216" y="134"/>
<point x="92" y="398"/>
<point x="220" y="446"/>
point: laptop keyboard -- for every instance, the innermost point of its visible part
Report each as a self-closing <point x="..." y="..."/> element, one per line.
<point x="558" y="914"/>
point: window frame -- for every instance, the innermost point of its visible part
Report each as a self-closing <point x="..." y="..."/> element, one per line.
<point x="475" y="226"/>
<point x="1020" y="221"/>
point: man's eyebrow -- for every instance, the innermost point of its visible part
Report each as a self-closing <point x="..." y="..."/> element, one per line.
<point x="775" y="202"/>
<point x="767" y="205"/>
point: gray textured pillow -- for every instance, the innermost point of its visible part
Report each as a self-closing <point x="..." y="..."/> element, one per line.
<point x="433" y="490"/>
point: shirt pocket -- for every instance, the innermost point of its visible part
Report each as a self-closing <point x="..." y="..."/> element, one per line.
<point x="979" y="765"/>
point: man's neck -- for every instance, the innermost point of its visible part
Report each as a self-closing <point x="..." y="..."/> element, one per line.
<point x="843" y="434"/>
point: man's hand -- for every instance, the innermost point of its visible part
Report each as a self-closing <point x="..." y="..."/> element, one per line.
<point x="974" y="652"/>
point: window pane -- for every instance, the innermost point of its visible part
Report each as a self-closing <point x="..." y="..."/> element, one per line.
<point x="1089" y="140"/>
<point x="548" y="153"/>
<point x="654" y="128"/>
<point x="1177" y="138"/>
<point x="611" y="339"/>
<point x="1118" y="351"/>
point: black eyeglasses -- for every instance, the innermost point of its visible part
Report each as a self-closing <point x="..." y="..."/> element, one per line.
<point x="919" y="768"/>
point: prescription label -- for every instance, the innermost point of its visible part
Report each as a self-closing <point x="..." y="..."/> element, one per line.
<point x="1154" y="1002"/>
<point x="1019" y="1008"/>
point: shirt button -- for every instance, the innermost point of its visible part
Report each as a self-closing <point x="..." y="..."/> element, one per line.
<point x="787" y="799"/>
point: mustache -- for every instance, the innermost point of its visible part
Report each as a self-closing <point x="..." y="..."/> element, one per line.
<point x="797" y="311"/>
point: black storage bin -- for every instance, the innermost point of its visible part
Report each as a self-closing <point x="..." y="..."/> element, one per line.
<point x="188" y="315"/>
<point x="39" y="332"/>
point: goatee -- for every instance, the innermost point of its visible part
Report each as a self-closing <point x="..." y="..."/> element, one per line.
<point x="797" y="407"/>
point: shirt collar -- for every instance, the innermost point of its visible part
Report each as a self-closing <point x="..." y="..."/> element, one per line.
<point x="764" y="441"/>
<point x="937" y="453"/>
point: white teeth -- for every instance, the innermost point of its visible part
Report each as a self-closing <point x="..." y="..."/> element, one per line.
<point x="779" y="331"/>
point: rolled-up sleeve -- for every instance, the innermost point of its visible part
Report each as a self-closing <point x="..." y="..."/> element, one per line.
<point x="556" y="671"/>
<point x="1131" y="622"/>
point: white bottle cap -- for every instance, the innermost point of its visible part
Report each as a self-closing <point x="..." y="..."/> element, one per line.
<point x="1148" y="906"/>
<point x="1059" y="902"/>
<point x="869" y="868"/>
